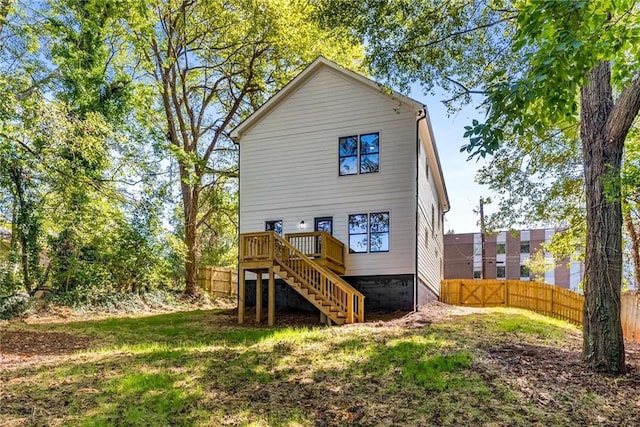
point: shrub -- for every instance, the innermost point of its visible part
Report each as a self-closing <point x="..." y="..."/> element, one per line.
<point x="14" y="306"/>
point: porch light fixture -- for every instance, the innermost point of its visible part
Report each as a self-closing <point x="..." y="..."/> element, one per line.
<point x="302" y="225"/>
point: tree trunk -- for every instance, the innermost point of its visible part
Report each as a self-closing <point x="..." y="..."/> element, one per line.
<point x="191" y="199"/>
<point x="634" y="235"/>
<point x="603" y="346"/>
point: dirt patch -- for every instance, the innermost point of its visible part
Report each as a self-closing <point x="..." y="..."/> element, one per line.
<point x="433" y="312"/>
<point x="550" y="377"/>
<point x="23" y="348"/>
<point x="46" y="343"/>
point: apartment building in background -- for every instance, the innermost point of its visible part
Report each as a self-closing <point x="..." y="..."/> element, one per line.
<point x="506" y="256"/>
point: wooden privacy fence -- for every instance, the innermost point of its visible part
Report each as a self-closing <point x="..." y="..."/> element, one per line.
<point x="539" y="297"/>
<point x="218" y="281"/>
<point x="630" y="316"/>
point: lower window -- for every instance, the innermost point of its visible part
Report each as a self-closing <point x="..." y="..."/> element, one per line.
<point x="369" y="232"/>
<point x="273" y="226"/>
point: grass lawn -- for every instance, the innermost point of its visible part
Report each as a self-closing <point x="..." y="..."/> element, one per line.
<point x="495" y="367"/>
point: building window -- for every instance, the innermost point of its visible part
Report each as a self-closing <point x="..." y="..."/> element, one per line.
<point x="524" y="247"/>
<point x="359" y="154"/>
<point x="369" y="232"/>
<point x="433" y="219"/>
<point x="274" y="226"/>
<point x="323" y="224"/>
<point x="524" y="272"/>
<point x="501" y="248"/>
<point x="501" y="272"/>
<point x="477" y="274"/>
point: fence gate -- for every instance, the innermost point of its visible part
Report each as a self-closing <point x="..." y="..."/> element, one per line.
<point x="482" y="293"/>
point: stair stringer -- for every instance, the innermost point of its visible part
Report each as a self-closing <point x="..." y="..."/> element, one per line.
<point x="310" y="293"/>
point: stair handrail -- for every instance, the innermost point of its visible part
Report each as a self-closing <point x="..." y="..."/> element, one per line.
<point x="322" y="270"/>
<point x="336" y="280"/>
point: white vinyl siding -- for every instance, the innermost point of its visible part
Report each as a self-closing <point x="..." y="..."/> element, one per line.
<point x="430" y="234"/>
<point x="289" y="167"/>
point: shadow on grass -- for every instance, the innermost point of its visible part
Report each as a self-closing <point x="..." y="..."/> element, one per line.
<point x="183" y="369"/>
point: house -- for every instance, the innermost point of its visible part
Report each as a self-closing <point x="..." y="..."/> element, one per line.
<point x="341" y="177"/>
<point x="506" y="256"/>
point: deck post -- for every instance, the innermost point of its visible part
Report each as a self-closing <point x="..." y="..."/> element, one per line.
<point x="323" y="245"/>
<point x="272" y="297"/>
<point x="241" y="296"/>
<point x="259" y="297"/>
<point x="323" y="318"/>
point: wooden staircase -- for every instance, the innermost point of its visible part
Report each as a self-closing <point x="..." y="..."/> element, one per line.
<point x="331" y="295"/>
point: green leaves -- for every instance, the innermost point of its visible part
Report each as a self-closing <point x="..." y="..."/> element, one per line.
<point x="483" y="139"/>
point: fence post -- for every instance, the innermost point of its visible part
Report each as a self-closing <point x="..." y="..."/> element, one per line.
<point x="506" y="293"/>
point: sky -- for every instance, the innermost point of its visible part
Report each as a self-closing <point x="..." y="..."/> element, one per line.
<point x="459" y="174"/>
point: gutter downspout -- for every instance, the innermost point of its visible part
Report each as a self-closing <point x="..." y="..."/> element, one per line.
<point x="421" y="115"/>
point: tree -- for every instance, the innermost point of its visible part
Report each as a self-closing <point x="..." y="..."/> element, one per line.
<point x="212" y="63"/>
<point x="66" y="134"/>
<point x="544" y="67"/>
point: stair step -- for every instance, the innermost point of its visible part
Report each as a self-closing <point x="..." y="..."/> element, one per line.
<point x="312" y="294"/>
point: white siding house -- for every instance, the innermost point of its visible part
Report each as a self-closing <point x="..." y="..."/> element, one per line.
<point x="335" y="149"/>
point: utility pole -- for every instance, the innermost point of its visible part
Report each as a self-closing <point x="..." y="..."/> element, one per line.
<point x="482" y="230"/>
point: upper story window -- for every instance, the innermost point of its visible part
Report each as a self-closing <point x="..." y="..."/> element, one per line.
<point x="359" y="154"/>
<point x="524" y="247"/>
<point x="369" y="232"/>
<point x="274" y="226"/>
<point x="501" y="248"/>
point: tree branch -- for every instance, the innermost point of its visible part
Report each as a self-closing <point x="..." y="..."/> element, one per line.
<point x="624" y="112"/>
<point x="457" y="33"/>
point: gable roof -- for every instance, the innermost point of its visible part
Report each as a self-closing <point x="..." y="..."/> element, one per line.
<point x="306" y="74"/>
<point x="321" y="62"/>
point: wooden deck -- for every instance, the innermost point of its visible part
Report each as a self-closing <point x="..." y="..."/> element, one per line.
<point x="309" y="263"/>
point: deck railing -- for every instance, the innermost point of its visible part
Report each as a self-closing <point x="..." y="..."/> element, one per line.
<point x="321" y="246"/>
<point x="256" y="247"/>
<point x="270" y="246"/>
